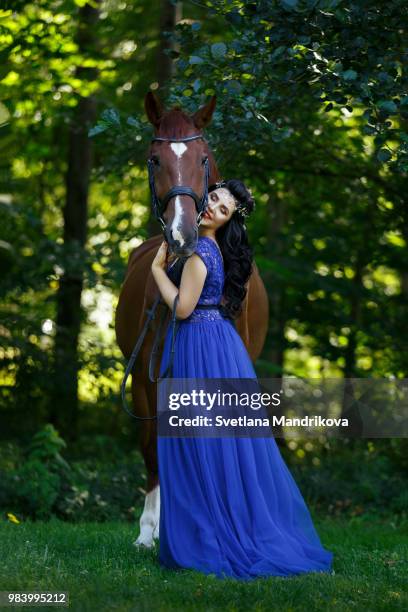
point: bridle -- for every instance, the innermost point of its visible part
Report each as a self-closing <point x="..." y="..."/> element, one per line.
<point x="159" y="206"/>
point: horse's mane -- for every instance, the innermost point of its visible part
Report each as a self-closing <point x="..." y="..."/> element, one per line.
<point x="175" y="123"/>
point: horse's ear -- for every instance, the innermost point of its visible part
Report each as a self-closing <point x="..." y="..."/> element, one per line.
<point x="204" y="114"/>
<point x="154" y="108"/>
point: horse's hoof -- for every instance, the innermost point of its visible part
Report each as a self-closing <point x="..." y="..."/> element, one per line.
<point x="146" y="542"/>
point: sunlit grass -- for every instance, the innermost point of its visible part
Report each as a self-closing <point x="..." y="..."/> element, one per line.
<point x="97" y="564"/>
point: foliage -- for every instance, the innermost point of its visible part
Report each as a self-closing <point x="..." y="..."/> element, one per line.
<point x="37" y="482"/>
<point x="46" y="446"/>
<point x="351" y="477"/>
<point x="275" y="53"/>
<point x="97" y="481"/>
<point x="34" y="489"/>
<point x="311" y="103"/>
<point x="42" y="78"/>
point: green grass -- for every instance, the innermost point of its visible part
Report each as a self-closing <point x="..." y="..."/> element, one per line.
<point x="97" y="564"/>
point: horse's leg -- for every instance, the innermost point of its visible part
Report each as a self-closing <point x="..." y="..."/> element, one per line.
<point x="149" y="521"/>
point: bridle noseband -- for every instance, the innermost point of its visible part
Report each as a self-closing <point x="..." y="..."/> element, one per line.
<point x="159" y="206"/>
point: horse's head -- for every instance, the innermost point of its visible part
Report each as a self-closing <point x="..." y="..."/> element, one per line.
<point x="181" y="166"/>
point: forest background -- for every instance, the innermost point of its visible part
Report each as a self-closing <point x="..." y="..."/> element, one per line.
<point x="312" y="111"/>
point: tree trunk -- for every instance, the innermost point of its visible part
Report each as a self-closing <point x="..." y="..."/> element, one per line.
<point x="276" y="335"/>
<point x="64" y="407"/>
<point x="170" y="15"/>
<point x="275" y="339"/>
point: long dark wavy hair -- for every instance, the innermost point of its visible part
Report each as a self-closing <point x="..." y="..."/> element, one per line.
<point x="232" y="238"/>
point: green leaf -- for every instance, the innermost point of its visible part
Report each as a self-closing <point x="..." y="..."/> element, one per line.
<point x="111" y="116"/>
<point x="97" y="129"/>
<point x="133" y="122"/>
<point x="388" y="105"/>
<point x="234" y="86"/>
<point x="196" y="59"/>
<point x="4" y="114"/>
<point x="291" y="4"/>
<point x="278" y="52"/>
<point x="383" y="155"/>
<point x="349" y="75"/>
<point x="218" y="50"/>
<point x="234" y="17"/>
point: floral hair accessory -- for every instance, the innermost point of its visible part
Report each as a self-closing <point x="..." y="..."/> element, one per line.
<point x="241" y="209"/>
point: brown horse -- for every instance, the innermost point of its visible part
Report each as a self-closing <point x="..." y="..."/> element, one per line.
<point x="175" y="164"/>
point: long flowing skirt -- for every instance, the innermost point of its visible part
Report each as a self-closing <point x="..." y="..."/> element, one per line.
<point x="229" y="505"/>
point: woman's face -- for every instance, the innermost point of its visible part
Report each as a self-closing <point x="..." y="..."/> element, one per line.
<point x="221" y="207"/>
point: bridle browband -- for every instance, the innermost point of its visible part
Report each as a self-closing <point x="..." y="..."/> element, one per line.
<point x="159" y="206"/>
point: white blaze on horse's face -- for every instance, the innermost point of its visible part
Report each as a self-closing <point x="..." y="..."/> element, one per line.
<point x="178" y="149"/>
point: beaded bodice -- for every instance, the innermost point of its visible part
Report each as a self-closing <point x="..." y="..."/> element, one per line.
<point x="210" y="253"/>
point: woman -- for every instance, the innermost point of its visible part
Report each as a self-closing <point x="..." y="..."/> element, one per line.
<point x="229" y="505"/>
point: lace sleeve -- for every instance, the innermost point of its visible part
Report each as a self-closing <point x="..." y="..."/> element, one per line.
<point x="204" y="251"/>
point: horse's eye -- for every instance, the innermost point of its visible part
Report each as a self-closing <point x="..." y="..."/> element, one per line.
<point x="155" y="159"/>
<point x="204" y="159"/>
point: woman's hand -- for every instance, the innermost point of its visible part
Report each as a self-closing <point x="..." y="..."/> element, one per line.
<point x="160" y="260"/>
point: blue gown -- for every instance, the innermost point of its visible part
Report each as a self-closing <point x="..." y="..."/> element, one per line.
<point x="228" y="506"/>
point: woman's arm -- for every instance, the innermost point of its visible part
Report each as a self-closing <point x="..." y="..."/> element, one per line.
<point x="191" y="283"/>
